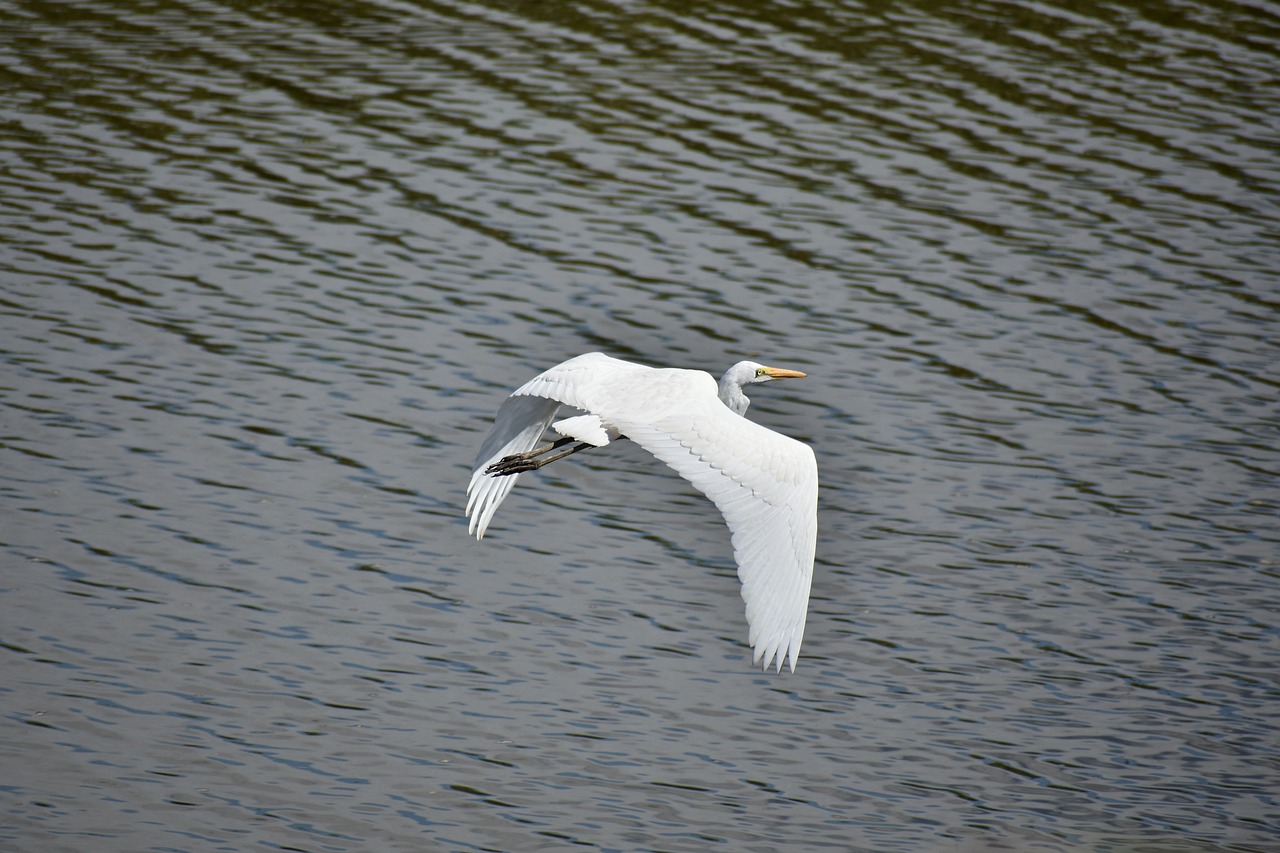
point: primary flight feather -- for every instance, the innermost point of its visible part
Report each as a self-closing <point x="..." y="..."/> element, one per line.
<point x="765" y="484"/>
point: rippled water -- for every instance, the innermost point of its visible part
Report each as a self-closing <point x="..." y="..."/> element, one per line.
<point x="268" y="270"/>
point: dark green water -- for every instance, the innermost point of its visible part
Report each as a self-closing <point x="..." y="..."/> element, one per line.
<point x="267" y="270"/>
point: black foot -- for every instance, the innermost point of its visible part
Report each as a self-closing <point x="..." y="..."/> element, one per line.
<point x="517" y="463"/>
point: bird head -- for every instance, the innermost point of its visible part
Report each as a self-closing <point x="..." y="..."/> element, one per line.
<point x="750" y="373"/>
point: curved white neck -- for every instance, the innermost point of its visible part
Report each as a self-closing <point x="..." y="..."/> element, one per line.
<point x="731" y="395"/>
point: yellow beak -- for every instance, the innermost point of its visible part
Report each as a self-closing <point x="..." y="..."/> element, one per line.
<point x="780" y="373"/>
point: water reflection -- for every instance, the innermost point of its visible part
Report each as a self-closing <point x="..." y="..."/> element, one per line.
<point x="268" y="271"/>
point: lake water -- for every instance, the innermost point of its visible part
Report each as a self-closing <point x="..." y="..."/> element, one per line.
<point x="269" y="269"/>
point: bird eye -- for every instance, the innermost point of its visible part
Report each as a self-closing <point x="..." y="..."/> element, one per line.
<point x="760" y="371"/>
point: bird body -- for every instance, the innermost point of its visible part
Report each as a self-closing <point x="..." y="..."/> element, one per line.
<point x="765" y="484"/>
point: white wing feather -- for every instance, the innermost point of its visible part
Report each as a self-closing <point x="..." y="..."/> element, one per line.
<point x="764" y="483"/>
<point x="517" y="428"/>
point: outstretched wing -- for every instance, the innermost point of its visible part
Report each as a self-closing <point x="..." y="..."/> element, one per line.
<point x="766" y="487"/>
<point x="764" y="484"/>
<point x="520" y="424"/>
<point x="517" y="427"/>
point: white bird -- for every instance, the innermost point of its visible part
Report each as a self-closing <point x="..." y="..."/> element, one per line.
<point x="765" y="484"/>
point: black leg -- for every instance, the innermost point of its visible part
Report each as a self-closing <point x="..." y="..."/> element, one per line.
<point x="518" y="463"/>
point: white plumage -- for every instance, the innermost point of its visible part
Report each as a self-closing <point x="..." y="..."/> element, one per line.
<point x="764" y="484"/>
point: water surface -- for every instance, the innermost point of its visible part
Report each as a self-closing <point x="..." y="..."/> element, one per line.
<point x="269" y="270"/>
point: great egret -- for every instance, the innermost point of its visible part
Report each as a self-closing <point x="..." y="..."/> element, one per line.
<point x="765" y="484"/>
